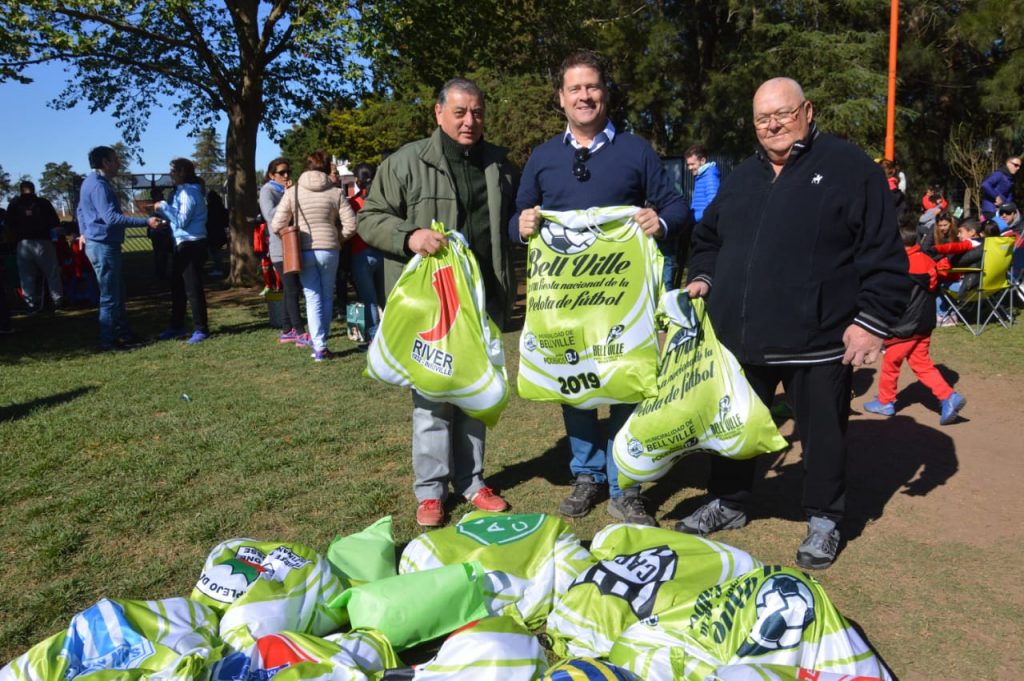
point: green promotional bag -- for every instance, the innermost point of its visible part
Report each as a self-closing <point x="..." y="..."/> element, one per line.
<point x="530" y="559"/>
<point x="419" y="606"/>
<point x="491" y="649"/>
<point x="704" y="402"/>
<point x="365" y="556"/>
<point x="639" y="573"/>
<point x="436" y="336"/>
<point x="262" y="588"/>
<point x="593" y="279"/>
<point x="361" y="655"/>
<point x="117" y="640"/>
<point x="771" y="615"/>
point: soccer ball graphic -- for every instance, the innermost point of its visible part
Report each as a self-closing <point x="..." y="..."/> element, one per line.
<point x="785" y="608"/>
<point x="565" y="241"/>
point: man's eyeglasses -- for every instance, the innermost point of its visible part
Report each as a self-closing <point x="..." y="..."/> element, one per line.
<point x="579" y="169"/>
<point x="1014" y="164"/>
<point x="782" y="117"/>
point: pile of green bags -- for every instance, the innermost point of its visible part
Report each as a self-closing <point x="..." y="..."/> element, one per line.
<point x="641" y="603"/>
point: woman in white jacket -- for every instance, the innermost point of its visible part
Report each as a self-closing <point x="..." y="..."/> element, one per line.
<point x="325" y="220"/>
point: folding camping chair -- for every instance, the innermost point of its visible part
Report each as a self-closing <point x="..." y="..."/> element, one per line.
<point x="993" y="291"/>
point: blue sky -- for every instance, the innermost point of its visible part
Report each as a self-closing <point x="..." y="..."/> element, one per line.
<point x="33" y="134"/>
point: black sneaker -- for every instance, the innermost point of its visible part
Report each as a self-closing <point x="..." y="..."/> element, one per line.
<point x="819" y="547"/>
<point x="712" y="517"/>
<point x="629" y="508"/>
<point x="582" y="498"/>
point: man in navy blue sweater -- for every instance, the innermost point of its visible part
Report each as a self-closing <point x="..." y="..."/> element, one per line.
<point x="592" y="165"/>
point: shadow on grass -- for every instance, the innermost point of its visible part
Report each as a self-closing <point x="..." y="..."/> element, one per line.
<point x="864" y="635"/>
<point x="885" y="457"/>
<point x="75" y="332"/>
<point x="551" y="465"/>
<point x="15" y="412"/>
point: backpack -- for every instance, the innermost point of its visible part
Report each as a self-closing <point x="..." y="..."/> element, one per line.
<point x="919" y="317"/>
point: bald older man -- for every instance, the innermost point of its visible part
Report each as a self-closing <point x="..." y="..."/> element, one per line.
<point x="803" y="270"/>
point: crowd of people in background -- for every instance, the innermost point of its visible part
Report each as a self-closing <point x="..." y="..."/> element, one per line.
<point x="812" y="260"/>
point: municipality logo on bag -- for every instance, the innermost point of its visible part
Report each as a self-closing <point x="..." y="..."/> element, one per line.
<point x="436" y="359"/>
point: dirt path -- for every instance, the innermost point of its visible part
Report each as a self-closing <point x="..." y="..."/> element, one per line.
<point x="931" y="569"/>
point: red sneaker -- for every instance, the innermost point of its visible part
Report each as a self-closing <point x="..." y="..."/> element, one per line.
<point x="430" y="513"/>
<point x="486" y="500"/>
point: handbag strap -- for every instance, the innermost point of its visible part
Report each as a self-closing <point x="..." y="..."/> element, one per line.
<point x="297" y="210"/>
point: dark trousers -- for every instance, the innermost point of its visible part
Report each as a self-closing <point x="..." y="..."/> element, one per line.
<point x="292" y="288"/>
<point x="819" y="395"/>
<point x="187" y="280"/>
<point x="5" y="310"/>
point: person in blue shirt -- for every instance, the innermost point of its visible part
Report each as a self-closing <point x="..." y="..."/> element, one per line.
<point x="102" y="227"/>
<point x="186" y="215"/>
<point x="592" y="164"/>
<point x="997" y="188"/>
<point x="705" y="182"/>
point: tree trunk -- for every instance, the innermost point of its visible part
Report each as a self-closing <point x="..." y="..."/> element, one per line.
<point x="243" y="181"/>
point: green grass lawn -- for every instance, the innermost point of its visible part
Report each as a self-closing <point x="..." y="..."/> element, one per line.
<point x="113" y="484"/>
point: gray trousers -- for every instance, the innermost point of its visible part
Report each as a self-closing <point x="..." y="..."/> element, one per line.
<point x="446" y="445"/>
<point x="39" y="255"/>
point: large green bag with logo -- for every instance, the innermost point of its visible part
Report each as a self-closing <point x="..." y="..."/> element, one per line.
<point x="114" y="640"/>
<point x="704" y="402"/>
<point x="639" y="573"/>
<point x="436" y="336"/>
<point x="263" y="588"/>
<point x="530" y="559"/>
<point x="771" y="615"/>
<point x="593" y="279"/>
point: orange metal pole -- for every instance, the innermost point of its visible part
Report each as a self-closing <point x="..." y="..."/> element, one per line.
<point x="890" y="114"/>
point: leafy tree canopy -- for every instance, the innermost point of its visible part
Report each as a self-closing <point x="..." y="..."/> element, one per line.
<point x="59" y="183"/>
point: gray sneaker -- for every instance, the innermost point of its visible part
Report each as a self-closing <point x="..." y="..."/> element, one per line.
<point x="818" y="549"/>
<point x="582" y="498"/>
<point x="712" y="517"/>
<point x="629" y="508"/>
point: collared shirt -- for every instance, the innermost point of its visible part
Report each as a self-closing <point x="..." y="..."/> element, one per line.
<point x="606" y="135"/>
<point x="600" y="139"/>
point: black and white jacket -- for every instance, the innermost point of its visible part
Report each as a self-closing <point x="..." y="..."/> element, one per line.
<point x="794" y="259"/>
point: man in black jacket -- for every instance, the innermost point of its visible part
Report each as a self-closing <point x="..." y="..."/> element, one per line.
<point x="801" y="263"/>
<point x="30" y="219"/>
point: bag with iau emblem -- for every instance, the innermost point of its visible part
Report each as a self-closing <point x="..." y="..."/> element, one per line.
<point x="593" y="280"/>
<point x="704" y="402"/>
<point x="530" y="559"/>
<point x="436" y="336"/>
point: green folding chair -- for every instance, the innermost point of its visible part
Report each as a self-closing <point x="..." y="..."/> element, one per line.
<point x="991" y="292"/>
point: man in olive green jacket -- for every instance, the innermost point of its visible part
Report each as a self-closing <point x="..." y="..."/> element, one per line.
<point x="457" y="178"/>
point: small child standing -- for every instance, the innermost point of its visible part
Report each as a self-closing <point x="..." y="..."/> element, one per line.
<point x="912" y="341"/>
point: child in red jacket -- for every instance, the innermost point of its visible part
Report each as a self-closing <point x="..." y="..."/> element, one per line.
<point x="912" y="340"/>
